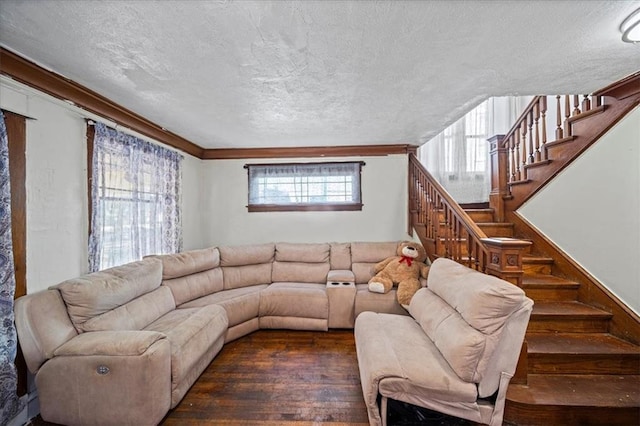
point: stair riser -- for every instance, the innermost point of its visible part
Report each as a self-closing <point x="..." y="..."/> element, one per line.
<point x="490" y="230"/>
<point x="568" y="325"/>
<point x="551" y="295"/>
<point x="522" y="414"/>
<point x="496" y="231"/>
<point x="481" y="216"/>
<point x="477" y="216"/>
<point x="583" y="364"/>
<point x="536" y="268"/>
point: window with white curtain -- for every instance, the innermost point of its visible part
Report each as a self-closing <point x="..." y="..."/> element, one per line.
<point x="304" y="186"/>
<point x="135" y="199"/>
<point x="459" y="159"/>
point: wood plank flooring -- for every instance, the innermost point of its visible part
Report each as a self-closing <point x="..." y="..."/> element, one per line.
<point x="287" y="378"/>
<point x="281" y="378"/>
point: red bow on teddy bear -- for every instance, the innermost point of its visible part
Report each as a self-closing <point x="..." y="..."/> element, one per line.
<point x="406" y="259"/>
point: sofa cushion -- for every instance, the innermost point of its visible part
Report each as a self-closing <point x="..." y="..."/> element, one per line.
<point x="115" y="343"/>
<point x="484" y="301"/>
<point x="461" y="345"/>
<point x="196" y="285"/>
<point x="192" y="333"/>
<point x="244" y="276"/>
<point x="300" y="272"/>
<point x="134" y="315"/>
<point x="340" y="255"/>
<point x="251" y="254"/>
<point x="377" y="302"/>
<point x="295" y="300"/>
<point x="96" y="293"/>
<point x="188" y="262"/>
<point x="365" y="255"/>
<point x="297" y="252"/>
<point x="372" y="252"/>
<point x="241" y="304"/>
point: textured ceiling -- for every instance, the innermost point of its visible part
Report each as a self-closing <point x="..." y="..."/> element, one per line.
<point x="238" y="74"/>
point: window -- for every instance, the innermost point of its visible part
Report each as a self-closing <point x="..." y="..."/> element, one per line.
<point x="459" y="157"/>
<point x="304" y="186"/>
<point x="135" y="199"/>
<point x="465" y="143"/>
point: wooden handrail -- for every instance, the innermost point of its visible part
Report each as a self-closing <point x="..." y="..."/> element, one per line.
<point x="446" y="230"/>
<point x="535" y="130"/>
<point x="446" y="224"/>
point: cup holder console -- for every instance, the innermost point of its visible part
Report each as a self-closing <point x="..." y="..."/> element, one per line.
<point x="341" y="292"/>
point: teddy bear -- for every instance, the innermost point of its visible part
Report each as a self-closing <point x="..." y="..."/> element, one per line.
<point x="405" y="270"/>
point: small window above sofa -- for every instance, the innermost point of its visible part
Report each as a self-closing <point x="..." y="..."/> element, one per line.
<point x="304" y="186"/>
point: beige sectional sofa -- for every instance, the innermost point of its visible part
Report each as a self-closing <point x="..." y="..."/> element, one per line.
<point x="124" y="345"/>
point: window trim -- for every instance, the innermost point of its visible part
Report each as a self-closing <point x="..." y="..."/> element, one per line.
<point x="305" y="207"/>
<point x="16" y="125"/>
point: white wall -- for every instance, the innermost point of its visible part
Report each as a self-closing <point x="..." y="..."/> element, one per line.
<point x="192" y="218"/>
<point x="227" y="222"/>
<point x="592" y="210"/>
<point x="214" y="196"/>
<point x="56" y="184"/>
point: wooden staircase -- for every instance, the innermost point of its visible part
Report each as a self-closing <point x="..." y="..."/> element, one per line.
<point x="575" y="371"/>
<point x="580" y="362"/>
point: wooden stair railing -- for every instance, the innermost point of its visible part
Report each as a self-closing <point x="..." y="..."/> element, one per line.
<point x="549" y="135"/>
<point x="579" y="362"/>
<point x="446" y="230"/>
<point x="527" y="142"/>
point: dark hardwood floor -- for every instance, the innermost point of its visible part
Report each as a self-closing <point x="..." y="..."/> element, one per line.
<point x="280" y="378"/>
<point x="288" y="378"/>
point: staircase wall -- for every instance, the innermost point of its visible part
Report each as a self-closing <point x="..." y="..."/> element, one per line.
<point x="591" y="210"/>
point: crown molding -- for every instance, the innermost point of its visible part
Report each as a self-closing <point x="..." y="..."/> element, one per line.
<point x="304" y="152"/>
<point x="33" y="75"/>
<point x="29" y="73"/>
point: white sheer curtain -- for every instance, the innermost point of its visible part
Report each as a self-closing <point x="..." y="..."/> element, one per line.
<point x="459" y="159"/>
<point x="135" y="199"/>
<point x="305" y="183"/>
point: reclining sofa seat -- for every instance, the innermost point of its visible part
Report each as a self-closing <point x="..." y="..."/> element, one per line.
<point x="297" y="297"/>
<point x="456" y="353"/>
<point x="112" y="344"/>
<point x="231" y="277"/>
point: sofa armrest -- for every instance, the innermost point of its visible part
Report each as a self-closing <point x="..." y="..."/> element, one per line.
<point x="107" y="377"/>
<point x="116" y="343"/>
<point x="341" y="275"/>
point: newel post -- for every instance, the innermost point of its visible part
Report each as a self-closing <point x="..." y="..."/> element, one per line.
<point x="505" y="258"/>
<point x="499" y="182"/>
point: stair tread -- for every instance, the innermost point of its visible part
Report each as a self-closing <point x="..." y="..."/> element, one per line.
<point x="567" y="309"/>
<point x="547" y="281"/>
<point x="579" y="343"/>
<point x="496" y="224"/>
<point x="578" y="390"/>
<point x="530" y="258"/>
<point x="487" y="210"/>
